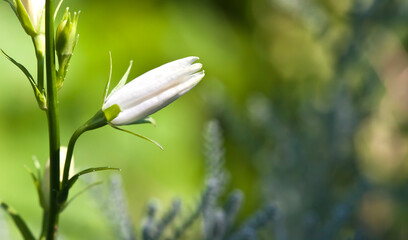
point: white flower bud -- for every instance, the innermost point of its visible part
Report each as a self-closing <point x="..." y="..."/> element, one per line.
<point x="34" y="9"/>
<point x="31" y="16"/>
<point x="152" y="91"/>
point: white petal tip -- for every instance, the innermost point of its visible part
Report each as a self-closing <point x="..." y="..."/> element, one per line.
<point x="192" y="59"/>
<point x="196" y="67"/>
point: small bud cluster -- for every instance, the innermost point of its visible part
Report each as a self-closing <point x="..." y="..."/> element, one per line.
<point x="31" y="14"/>
<point x="65" y="41"/>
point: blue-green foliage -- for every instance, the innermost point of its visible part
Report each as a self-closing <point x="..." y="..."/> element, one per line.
<point x="303" y="145"/>
<point x="217" y="221"/>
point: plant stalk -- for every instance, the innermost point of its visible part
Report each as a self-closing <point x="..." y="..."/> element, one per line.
<point x="97" y="121"/>
<point x="40" y="73"/>
<point x="53" y="121"/>
<point x="70" y="151"/>
<point x="44" y="225"/>
<point x="39" y="54"/>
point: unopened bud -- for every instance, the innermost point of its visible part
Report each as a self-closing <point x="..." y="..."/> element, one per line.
<point x="65" y="41"/>
<point x="66" y="36"/>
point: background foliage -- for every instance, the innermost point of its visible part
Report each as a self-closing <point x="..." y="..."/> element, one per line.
<point x="311" y="96"/>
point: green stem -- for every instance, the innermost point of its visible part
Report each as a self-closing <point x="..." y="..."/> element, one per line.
<point x="70" y="151"/>
<point x="97" y="121"/>
<point x="40" y="73"/>
<point x="38" y="42"/>
<point x="44" y="225"/>
<point x="53" y="123"/>
<point x="39" y="53"/>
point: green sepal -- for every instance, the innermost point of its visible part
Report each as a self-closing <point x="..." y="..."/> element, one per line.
<point x="62" y="71"/>
<point x="57" y="9"/>
<point x="65" y="204"/>
<point x="122" y="81"/>
<point x="97" y="121"/>
<point x="146" y="120"/>
<point x="37" y="167"/>
<point x="137" y="135"/>
<point x="40" y="96"/>
<point x="37" y="183"/>
<point x="18" y="220"/>
<point x="25" y="19"/>
<point x="112" y="112"/>
<point x="63" y="194"/>
<point x="109" y="79"/>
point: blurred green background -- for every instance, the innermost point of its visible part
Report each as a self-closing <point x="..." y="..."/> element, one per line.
<point x="311" y="96"/>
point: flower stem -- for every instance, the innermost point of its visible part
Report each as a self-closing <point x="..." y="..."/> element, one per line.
<point x="97" y="121"/>
<point x="40" y="73"/>
<point x="44" y="225"/>
<point x="53" y="123"/>
<point x="70" y="151"/>
<point x="38" y="42"/>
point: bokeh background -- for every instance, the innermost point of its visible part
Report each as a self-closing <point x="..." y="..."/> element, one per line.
<point x="311" y="96"/>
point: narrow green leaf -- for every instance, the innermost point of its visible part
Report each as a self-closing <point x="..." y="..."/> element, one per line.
<point x="38" y="94"/>
<point x="63" y="195"/>
<point x="18" y="220"/>
<point x="65" y="205"/>
<point x="91" y="170"/>
<point x="138" y="135"/>
<point x="21" y="67"/>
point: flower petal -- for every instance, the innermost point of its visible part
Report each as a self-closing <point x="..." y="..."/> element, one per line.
<point x="157" y="102"/>
<point x="153" y="82"/>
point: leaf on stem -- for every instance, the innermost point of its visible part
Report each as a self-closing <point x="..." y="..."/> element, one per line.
<point x="137" y="135"/>
<point x="18" y="220"/>
<point x="63" y="195"/>
<point x="21" y="67"/>
<point x="38" y="94"/>
<point x="65" y="205"/>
